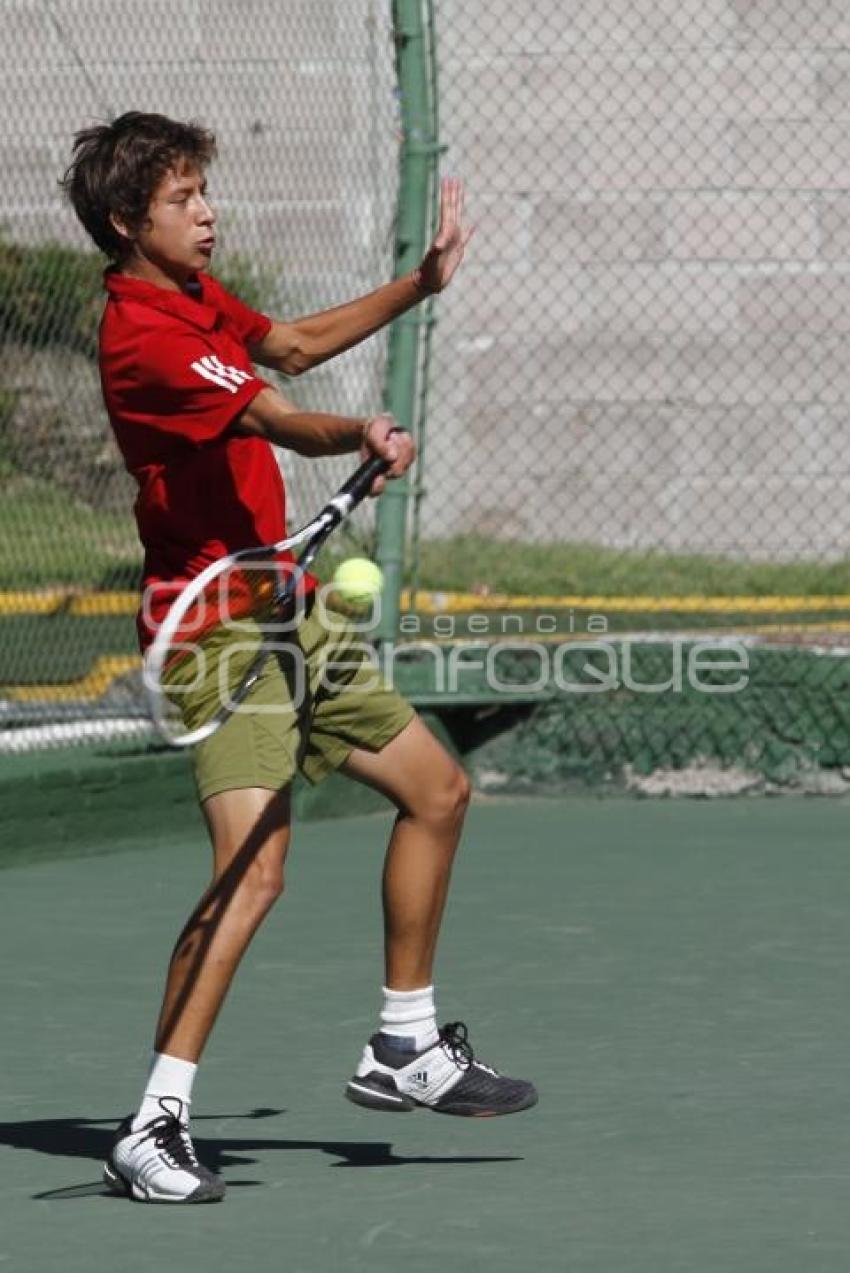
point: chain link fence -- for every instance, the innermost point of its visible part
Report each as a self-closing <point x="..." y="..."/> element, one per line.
<point x="304" y="105"/>
<point x="634" y="413"/>
<point x="636" y="432"/>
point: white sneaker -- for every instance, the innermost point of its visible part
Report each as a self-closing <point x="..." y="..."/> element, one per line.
<point x="445" y="1078"/>
<point x="158" y="1163"/>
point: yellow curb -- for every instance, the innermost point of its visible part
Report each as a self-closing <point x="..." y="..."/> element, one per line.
<point x="105" y="603"/>
<point x="454" y="602"/>
<point x="91" y="686"/>
<point x="55" y="600"/>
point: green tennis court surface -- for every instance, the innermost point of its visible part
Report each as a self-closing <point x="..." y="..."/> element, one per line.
<point x="672" y="975"/>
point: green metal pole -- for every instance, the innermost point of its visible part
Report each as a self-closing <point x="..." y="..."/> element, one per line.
<point x="414" y="557"/>
<point x="416" y="170"/>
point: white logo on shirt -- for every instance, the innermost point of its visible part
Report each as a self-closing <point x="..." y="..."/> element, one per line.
<point x="212" y="368"/>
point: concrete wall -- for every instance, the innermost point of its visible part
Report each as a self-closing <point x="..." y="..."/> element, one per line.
<point x="649" y="345"/>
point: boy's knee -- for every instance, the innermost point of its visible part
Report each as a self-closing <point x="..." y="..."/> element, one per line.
<point x="448" y="801"/>
<point x="262" y="886"/>
<point x="269" y="887"/>
<point x="463" y="792"/>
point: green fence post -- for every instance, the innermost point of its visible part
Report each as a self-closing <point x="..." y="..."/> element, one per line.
<point x="417" y="166"/>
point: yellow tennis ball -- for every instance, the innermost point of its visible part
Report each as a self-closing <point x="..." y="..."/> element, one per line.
<point x="358" y="581"/>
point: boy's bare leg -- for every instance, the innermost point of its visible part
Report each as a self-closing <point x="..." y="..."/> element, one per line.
<point x="431" y="793"/>
<point x="152" y="1157"/>
<point x="409" y="1062"/>
<point x="249" y="829"/>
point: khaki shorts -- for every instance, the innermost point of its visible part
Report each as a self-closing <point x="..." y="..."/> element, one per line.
<point x="319" y="696"/>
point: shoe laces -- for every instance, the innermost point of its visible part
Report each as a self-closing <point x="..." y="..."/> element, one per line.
<point x="454" y="1036"/>
<point x="171" y="1135"/>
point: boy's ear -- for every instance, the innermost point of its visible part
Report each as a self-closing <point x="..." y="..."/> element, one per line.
<point x="120" y="226"/>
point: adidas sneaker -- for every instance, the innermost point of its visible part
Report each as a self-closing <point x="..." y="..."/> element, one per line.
<point x="158" y="1162"/>
<point x="445" y="1078"/>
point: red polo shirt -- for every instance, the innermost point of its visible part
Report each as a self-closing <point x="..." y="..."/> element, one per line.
<point x="176" y="373"/>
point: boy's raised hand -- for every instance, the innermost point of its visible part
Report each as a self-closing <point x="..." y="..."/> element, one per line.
<point x="446" y="252"/>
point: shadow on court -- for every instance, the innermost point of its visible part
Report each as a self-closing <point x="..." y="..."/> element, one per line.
<point x="92" y="1139"/>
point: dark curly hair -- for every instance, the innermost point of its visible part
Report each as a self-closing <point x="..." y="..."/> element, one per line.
<point x="117" y="167"/>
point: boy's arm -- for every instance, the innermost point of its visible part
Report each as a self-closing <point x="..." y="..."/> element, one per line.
<point x="297" y="346"/>
<point x="272" y="416"/>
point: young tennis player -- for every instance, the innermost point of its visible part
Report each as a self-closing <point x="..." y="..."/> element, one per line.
<point x="196" y="425"/>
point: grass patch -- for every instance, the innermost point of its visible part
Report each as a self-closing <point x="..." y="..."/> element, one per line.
<point x="48" y="538"/>
<point x="468" y="563"/>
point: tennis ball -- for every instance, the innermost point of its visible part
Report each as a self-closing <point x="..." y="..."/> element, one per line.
<point x="358" y="581"/>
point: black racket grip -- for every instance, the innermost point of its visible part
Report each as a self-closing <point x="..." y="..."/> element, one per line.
<point x="359" y="484"/>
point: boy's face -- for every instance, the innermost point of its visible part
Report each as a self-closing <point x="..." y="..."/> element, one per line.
<point x="178" y="237"/>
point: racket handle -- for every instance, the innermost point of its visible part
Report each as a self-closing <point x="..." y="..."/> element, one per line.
<point x="335" y="511"/>
<point x="359" y="484"/>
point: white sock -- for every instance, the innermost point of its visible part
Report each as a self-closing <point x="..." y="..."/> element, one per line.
<point x="169" y="1077"/>
<point x="410" y="1014"/>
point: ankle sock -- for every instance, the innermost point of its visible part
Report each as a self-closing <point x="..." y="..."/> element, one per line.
<point x="410" y="1017"/>
<point x="169" y="1077"/>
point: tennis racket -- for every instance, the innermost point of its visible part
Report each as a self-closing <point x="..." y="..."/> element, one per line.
<point x="248" y="585"/>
